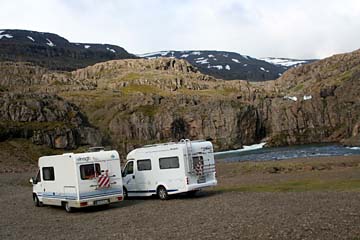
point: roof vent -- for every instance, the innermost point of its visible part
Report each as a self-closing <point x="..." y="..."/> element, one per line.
<point x="95" y="149"/>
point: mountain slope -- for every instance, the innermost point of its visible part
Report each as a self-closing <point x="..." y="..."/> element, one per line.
<point x="230" y="65"/>
<point x="54" y="52"/>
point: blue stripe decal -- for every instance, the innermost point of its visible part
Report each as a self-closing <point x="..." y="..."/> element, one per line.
<point x="145" y="191"/>
<point x="152" y="191"/>
<point x="56" y="196"/>
<point x="101" y="193"/>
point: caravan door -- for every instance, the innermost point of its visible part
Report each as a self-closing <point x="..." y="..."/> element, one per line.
<point x="129" y="179"/>
<point x="143" y="175"/>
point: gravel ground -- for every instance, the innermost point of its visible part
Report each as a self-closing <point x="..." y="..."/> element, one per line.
<point x="230" y="215"/>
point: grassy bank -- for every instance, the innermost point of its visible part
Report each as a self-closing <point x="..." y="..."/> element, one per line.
<point x="296" y="175"/>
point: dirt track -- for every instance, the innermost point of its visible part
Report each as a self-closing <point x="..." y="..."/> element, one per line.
<point x="230" y="215"/>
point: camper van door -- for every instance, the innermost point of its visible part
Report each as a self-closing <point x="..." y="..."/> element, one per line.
<point x="129" y="179"/>
<point x="49" y="185"/>
<point x="143" y="174"/>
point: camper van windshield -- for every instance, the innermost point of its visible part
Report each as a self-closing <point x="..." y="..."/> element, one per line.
<point x="89" y="171"/>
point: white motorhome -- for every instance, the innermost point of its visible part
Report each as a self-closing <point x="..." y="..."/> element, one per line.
<point x="78" y="180"/>
<point x="169" y="168"/>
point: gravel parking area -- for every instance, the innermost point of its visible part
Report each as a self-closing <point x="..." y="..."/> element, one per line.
<point x="211" y="214"/>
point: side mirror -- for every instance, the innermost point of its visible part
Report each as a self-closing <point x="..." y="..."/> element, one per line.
<point x="33" y="181"/>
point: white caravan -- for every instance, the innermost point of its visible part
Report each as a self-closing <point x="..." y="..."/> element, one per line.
<point x="78" y="180"/>
<point x="169" y="168"/>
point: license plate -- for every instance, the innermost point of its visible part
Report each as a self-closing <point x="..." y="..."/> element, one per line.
<point x="201" y="179"/>
<point x="101" y="202"/>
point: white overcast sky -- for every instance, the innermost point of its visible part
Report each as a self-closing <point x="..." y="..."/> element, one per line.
<point x="260" y="28"/>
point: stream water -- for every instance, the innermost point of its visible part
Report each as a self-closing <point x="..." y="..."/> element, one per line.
<point x="279" y="153"/>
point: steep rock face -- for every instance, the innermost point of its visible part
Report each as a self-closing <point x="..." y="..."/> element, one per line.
<point x="229" y="123"/>
<point x="327" y="106"/>
<point x="45" y="119"/>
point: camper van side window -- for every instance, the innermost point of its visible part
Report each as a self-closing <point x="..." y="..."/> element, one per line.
<point x="144" y="165"/>
<point x="169" y="162"/>
<point x="129" y="169"/>
<point x="48" y="173"/>
<point x="89" y="171"/>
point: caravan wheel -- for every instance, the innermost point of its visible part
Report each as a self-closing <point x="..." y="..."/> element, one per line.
<point x="68" y="208"/>
<point x="162" y="193"/>
<point x="125" y="193"/>
<point x="37" y="202"/>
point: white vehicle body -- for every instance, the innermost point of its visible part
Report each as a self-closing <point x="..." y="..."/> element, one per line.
<point x="181" y="167"/>
<point x="78" y="180"/>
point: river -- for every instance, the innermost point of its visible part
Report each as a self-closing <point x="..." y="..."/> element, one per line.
<point x="257" y="153"/>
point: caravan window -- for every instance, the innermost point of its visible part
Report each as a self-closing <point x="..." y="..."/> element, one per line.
<point x="144" y="165"/>
<point x="48" y="173"/>
<point x="169" y="162"/>
<point x="89" y="171"/>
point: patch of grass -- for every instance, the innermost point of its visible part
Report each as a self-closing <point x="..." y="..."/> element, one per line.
<point x="209" y="92"/>
<point x="131" y="76"/>
<point x="298" y="87"/>
<point x="26" y="150"/>
<point x="31" y="125"/>
<point x="285" y="166"/>
<point x="148" y="110"/>
<point x="297" y="186"/>
<point x="147" y="89"/>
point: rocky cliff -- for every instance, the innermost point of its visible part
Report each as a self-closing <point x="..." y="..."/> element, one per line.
<point x="136" y="102"/>
<point x="318" y="102"/>
<point x="45" y="119"/>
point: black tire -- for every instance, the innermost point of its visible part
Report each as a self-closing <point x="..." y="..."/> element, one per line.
<point x="192" y="193"/>
<point x="37" y="202"/>
<point x="68" y="208"/>
<point x="162" y="193"/>
<point x="125" y="193"/>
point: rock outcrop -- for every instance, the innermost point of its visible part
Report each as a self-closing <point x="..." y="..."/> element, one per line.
<point x="45" y="119"/>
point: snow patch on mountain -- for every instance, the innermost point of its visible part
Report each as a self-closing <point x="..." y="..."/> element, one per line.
<point x="196" y="53"/>
<point x="50" y="43"/>
<point x="111" y="50"/>
<point x="153" y="54"/>
<point x="5" y="35"/>
<point x="283" y="61"/>
<point x="290" y="98"/>
<point x="30" y="38"/>
<point x="202" y="61"/>
<point x="219" y="67"/>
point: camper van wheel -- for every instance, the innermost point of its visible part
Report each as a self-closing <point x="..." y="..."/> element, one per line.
<point x="37" y="202"/>
<point x="192" y="193"/>
<point x="162" y="193"/>
<point x="67" y="207"/>
<point x="125" y="193"/>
